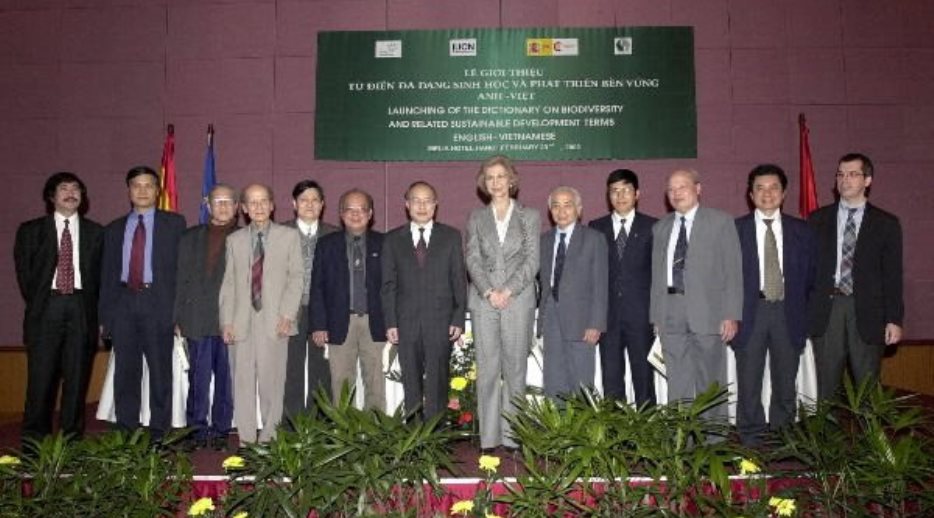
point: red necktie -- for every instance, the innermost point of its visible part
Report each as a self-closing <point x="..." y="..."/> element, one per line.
<point x="65" y="281"/>
<point x="134" y="279"/>
<point x="421" y="249"/>
<point x="256" y="274"/>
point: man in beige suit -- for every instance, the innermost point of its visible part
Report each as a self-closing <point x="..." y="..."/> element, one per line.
<point x="259" y="302"/>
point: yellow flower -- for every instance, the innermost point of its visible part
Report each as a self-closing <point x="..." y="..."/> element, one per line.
<point x="8" y="460"/>
<point x="201" y="506"/>
<point x="783" y="506"/>
<point x="459" y="383"/>
<point x="462" y="507"/>
<point x="472" y="373"/>
<point x="489" y="463"/>
<point x="241" y="514"/>
<point x="233" y="462"/>
<point x="747" y="467"/>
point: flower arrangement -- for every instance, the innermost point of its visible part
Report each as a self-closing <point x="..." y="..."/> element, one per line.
<point x="462" y="393"/>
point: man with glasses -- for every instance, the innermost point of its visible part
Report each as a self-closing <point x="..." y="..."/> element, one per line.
<point x="856" y="308"/>
<point x="201" y="264"/>
<point x="346" y="312"/>
<point x="424" y="299"/>
<point x="259" y="302"/>
<point x="304" y="355"/>
<point x="629" y="238"/>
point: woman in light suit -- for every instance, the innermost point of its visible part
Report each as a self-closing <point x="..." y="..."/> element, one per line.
<point x="502" y="259"/>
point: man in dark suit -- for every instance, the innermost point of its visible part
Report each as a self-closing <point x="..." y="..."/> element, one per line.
<point x="629" y="246"/>
<point x="308" y="202"/>
<point x="779" y="257"/>
<point x="346" y="311"/>
<point x="58" y="270"/>
<point x="572" y="311"/>
<point x="697" y="289"/>
<point x="137" y="301"/>
<point x="857" y="307"/>
<point x="424" y="299"/>
<point x="201" y="263"/>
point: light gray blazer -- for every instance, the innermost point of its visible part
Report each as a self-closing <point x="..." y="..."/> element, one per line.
<point x="283" y="277"/>
<point x="513" y="264"/>
<point x="583" y="292"/>
<point x="713" y="274"/>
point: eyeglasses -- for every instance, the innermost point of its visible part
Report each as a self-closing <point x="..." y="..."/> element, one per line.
<point x="849" y="174"/>
<point x="422" y="202"/>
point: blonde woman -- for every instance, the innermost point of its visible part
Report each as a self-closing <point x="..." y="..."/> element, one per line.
<point x="502" y="259"/>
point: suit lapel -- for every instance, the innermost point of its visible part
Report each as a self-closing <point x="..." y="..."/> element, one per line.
<point x="548" y="246"/>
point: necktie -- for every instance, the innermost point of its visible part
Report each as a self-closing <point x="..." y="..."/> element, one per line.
<point x="65" y="280"/>
<point x="559" y="264"/>
<point x="308" y="254"/>
<point x="621" y="239"/>
<point x="847" y="252"/>
<point x="681" y="253"/>
<point x="359" y="278"/>
<point x="773" y="287"/>
<point x="256" y="277"/>
<point x="134" y="279"/>
<point x="421" y="249"/>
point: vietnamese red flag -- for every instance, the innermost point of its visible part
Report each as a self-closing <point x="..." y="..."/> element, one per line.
<point x="168" y="193"/>
<point x="807" y="202"/>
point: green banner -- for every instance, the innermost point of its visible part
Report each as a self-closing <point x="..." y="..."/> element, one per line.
<point x="532" y="94"/>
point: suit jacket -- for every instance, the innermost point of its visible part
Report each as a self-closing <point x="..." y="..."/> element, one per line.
<point x="431" y="297"/>
<point x="283" y="273"/>
<point x="583" y="289"/>
<point x="799" y="258"/>
<point x="197" y="291"/>
<point x="713" y="274"/>
<point x="168" y="229"/>
<point x="329" y="309"/>
<point x="632" y="276"/>
<point x="35" y="253"/>
<point x="877" y="272"/>
<point x="513" y="264"/>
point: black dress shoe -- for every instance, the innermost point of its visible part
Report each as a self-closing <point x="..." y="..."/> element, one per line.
<point x="488" y="451"/>
<point x="219" y="443"/>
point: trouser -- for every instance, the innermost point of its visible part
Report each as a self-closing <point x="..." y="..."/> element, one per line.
<point x="208" y="357"/>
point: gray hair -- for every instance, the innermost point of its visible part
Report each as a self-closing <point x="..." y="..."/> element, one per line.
<point x="568" y="190"/>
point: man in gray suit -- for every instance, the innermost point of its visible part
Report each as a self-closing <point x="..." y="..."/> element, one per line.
<point x="424" y="299"/>
<point x="259" y="301"/>
<point x="201" y="264"/>
<point x="308" y="202"/>
<point x="572" y="311"/>
<point x="697" y="289"/>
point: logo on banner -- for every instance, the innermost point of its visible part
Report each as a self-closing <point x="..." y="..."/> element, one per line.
<point x="622" y="46"/>
<point x="551" y="47"/>
<point x="389" y="48"/>
<point x="463" y="47"/>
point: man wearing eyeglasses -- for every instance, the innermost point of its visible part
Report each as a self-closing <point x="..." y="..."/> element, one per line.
<point x="259" y="301"/>
<point x="856" y="308"/>
<point x="346" y="312"/>
<point x="201" y="264"/>
<point x="424" y="299"/>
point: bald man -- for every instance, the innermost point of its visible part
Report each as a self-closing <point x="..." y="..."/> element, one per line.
<point x="697" y="289"/>
<point x="259" y="303"/>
